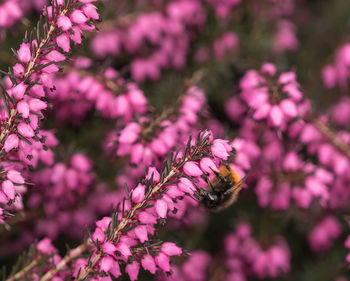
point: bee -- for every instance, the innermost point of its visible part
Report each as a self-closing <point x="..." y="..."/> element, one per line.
<point x="222" y="191"/>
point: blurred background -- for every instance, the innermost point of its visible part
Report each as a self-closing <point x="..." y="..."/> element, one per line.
<point x="224" y="39"/>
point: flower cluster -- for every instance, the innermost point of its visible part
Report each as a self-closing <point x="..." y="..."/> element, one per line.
<point x="156" y="40"/>
<point x="132" y="227"/>
<point x="337" y="73"/>
<point x="324" y="233"/>
<point x="275" y="98"/>
<point x="29" y="81"/>
<point x="193" y="269"/>
<point x="108" y="93"/>
<point x="245" y="257"/>
<point x="149" y="140"/>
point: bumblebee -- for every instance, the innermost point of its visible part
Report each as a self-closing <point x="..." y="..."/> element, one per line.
<point x="222" y="191"/>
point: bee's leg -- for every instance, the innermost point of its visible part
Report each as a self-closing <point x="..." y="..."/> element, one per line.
<point x="206" y="178"/>
<point x="228" y="167"/>
<point x="218" y="175"/>
<point x="232" y="155"/>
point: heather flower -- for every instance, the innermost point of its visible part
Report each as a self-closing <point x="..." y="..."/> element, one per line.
<point x="323" y="234"/>
<point x="273" y="98"/>
<point x="336" y="74"/>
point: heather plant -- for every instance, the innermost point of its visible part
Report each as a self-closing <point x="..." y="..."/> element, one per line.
<point x="174" y="140"/>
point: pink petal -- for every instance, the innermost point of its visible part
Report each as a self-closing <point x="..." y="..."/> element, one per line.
<point x="9" y="189"/>
<point x="276" y="116"/>
<point x="64" y="22"/>
<point x="171" y="249"/>
<point x="23" y="53"/>
<point x="133" y="270"/>
<point x="191" y="169"/>
<point x="11" y="142"/>
<point x="162" y="260"/>
<point x="161" y="208"/>
<point x="138" y="194"/>
<point x="149" y="264"/>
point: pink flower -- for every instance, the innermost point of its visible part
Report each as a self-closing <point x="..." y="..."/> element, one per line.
<point x="3" y="199"/>
<point x="141" y="233"/>
<point x="78" y="17"/>
<point x="106" y="263"/>
<point x="55" y="56"/>
<point x="130" y="133"/>
<point x="269" y="69"/>
<point x="23" y="108"/>
<point x="18" y="91"/>
<point x="25" y="130"/>
<point x="108" y="247"/>
<point x="191" y="169"/>
<point x="171" y="249"/>
<point x="37" y="105"/>
<point x="149" y="264"/>
<point x="218" y="149"/>
<point x="123" y="249"/>
<point x="63" y="42"/>
<point x="81" y="162"/>
<point x="147" y="218"/>
<point x="161" y="208"/>
<point x="347" y="242"/>
<point x="138" y="194"/>
<point x="162" y="260"/>
<point x="208" y="165"/>
<point x="133" y="270"/>
<point x="8" y="189"/>
<point x="289" y="108"/>
<point x="15" y="177"/>
<point x="24" y="54"/>
<point x="90" y="11"/>
<point x="64" y="22"/>
<point x="18" y="70"/>
<point x="276" y="116"/>
<point x="45" y="247"/>
<point x="137" y="153"/>
<point x="152" y="172"/>
<point x="11" y="142"/>
<point x="186" y="186"/>
<point x="98" y="235"/>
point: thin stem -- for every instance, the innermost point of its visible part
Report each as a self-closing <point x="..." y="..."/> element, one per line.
<point x="21" y="274"/>
<point x="332" y="137"/>
<point x="67" y="259"/>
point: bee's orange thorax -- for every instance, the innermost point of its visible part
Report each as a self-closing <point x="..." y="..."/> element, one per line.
<point x="225" y="172"/>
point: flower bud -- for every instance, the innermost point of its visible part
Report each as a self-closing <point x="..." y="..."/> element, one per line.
<point x="18" y="91"/>
<point x="161" y="208"/>
<point x="23" y="108"/>
<point x="149" y="264"/>
<point x="138" y="194"/>
<point x="23" y="53"/>
<point x="11" y="142"/>
<point x="78" y="17"/>
<point x="162" y="260"/>
<point x="171" y="249"/>
<point x="64" y="22"/>
<point x="8" y="189"/>
<point x="133" y="270"/>
<point x="208" y="165"/>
